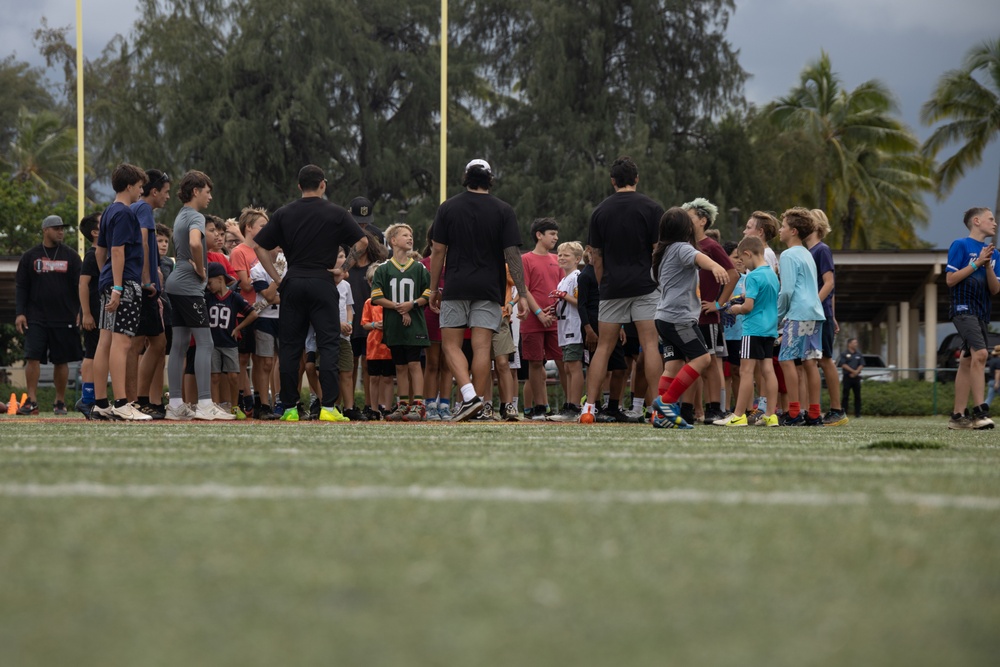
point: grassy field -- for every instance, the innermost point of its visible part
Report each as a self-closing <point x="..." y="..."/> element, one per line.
<point x="525" y="544"/>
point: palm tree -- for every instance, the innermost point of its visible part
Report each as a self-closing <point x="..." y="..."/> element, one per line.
<point x="872" y="172"/>
<point x="973" y="109"/>
<point x="43" y="153"/>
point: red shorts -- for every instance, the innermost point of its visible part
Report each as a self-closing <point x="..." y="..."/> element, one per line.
<point x="540" y="346"/>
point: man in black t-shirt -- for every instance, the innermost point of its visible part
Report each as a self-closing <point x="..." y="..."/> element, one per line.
<point x="623" y="230"/>
<point x="310" y="232"/>
<point x="47" y="311"/>
<point x="851" y="361"/>
<point x="476" y="233"/>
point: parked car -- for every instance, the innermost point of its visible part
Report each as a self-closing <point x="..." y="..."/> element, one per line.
<point x="950" y="350"/>
<point x="876" y="369"/>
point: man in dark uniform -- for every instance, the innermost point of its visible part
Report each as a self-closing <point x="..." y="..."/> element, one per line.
<point x="852" y="361"/>
<point x="310" y="232"/>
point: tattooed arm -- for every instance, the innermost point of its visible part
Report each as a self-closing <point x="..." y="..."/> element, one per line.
<point x="512" y="255"/>
<point x="352" y="257"/>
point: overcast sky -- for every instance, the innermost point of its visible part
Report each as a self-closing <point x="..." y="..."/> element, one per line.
<point x="907" y="44"/>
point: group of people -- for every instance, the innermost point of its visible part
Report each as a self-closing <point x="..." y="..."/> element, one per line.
<point x="246" y="308"/>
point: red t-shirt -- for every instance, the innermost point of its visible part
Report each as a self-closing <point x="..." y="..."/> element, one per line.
<point x="541" y="275"/>
<point x="708" y="287"/>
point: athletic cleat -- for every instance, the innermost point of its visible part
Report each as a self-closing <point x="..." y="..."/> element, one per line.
<point x="397" y="414"/>
<point x="103" y="414"/>
<point x="59" y="408"/>
<point x="263" y="413"/>
<point x="813" y="422"/>
<point x="29" y="409"/>
<point x="629" y="417"/>
<point x="444" y="412"/>
<point x="509" y="412"/>
<point x="290" y="415"/>
<point x="130" y="413"/>
<point x="835" y="418"/>
<point x="569" y="413"/>
<point x="537" y="416"/>
<point x="732" y="420"/>
<point x="355" y="415"/>
<point x="980" y="418"/>
<point x="959" y="423"/>
<point x="667" y="415"/>
<point x="587" y="416"/>
<point x="84" y="408"/>
<point x="800" y="420"/>
<point x="469" y="409"/>
<point x="415" y="413"/>
<point x="151" y="410"/>
<point x="433" y="414"/>
<point x="771" y="421"/>
<point x="755" y="416"/>
<point x="331" y="414"/>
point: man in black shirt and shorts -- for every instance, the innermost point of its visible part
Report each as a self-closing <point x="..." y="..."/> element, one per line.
<point x="623" y="230"/>
<point x="310" y="232"/>
<point x="476" y="233"/>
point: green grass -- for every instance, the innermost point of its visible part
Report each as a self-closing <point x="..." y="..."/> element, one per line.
<point x="368" y="544"/>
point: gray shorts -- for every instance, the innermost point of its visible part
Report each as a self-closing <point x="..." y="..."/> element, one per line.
<point x="474" y="314"/>
<point x="266" y="337"/>
<point x="225" y="360"/>
<point x="630" y="309"/>
<point x="503" y="342"/>
<point x="973" y="331"/>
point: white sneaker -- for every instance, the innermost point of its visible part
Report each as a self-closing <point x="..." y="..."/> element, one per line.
<point x="212" y="413"/>
<point x="181" y="414"/>
<point x="130" y="413"/>
<point x="223" y="413"/>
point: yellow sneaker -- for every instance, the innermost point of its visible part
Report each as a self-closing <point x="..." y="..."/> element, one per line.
<point x="771" y="421"/>
<point x="331" y="415"/>
<point x="733" y="420"/>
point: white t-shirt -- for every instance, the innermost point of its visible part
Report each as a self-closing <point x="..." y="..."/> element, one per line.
<point x="346" y="299"/>
<point x="771" y="258"/>
<point x="569" y="326"/>
<point x="261" y="280"/>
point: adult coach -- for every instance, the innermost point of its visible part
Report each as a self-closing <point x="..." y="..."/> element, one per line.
<point x="851" y="361"/>
<point x="310" y="232"/>
<point x="623" y="231"/>
<point x="476" y="234"/>
<point x="47" y="311"/>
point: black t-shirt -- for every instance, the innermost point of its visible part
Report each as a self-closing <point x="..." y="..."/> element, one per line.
<point x="625" y="227"/>
<point x="588" y="299"/>
<point x="477" y="228"/>
<point x="361" y="291"/>
<point x="91" y="269"/>
<point x="47" y="285"/>
<point x="310" y="232"/>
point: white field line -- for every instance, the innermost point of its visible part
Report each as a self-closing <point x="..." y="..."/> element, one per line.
<point x="496" y="494"/>
<point x="337" y="450"/>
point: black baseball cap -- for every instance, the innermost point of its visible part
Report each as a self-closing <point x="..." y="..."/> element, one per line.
<point x="216" y="269"/>
<point x="361" y="210"/>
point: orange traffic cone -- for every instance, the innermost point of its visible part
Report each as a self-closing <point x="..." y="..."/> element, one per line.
<point x="12" y="406"/>
<point x="24" y="399"/>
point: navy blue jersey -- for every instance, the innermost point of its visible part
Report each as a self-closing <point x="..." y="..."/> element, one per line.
<point x="222" y="314"/>
<point x="972" y="295"/>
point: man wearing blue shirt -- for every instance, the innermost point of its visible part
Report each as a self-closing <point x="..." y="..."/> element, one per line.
<point x="972" y="282"/>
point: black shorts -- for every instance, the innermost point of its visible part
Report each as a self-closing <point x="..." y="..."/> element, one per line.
<point x="359" y="347"/>
<point x="405" y="354"/>
<point x="150" y="317"/>
<point x="616" y="362"/>
<point x="715" y="339"/>
<point x="247" y="344"/>
<point x="125" y="319"/>
<point x="90" y="340"/>
<point x="383" y="368"/>
<point x="52" y="344"/>
<point x="631" y="348"/>
<point x="733" y="352"/>
<point x="974" y="332"/>
<point x="757" y="347"/>
<point x="828" y="339"/>
<point x="681" y="341"/>
<point x="188" y="311"/>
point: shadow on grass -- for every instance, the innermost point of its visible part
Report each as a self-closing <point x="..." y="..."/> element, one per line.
<point x="905" y="444"/>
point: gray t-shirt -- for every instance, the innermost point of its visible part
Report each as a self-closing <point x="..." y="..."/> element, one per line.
<point x="183" y="281"/>
<point x="679" y="285"/>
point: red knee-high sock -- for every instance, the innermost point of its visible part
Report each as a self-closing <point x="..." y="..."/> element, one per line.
<point x="684" y="379"/>
<point x="814" y="411"/>
<point x="664" y="385"/>
<point x="794" y="409"/>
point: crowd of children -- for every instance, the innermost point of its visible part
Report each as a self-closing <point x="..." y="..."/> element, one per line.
<point x="743" y="334"/>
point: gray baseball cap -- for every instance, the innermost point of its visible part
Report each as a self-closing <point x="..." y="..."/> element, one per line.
<point x="52" y="221"/>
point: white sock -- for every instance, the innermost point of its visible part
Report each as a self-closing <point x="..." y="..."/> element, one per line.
<point x="176" y="403"/>
<point x="468" y="392"/>
<point x="589" y="407"/>
<point x="637" y="404"/>
<point x="205" y="403"/>
<point x="514" y="403"/>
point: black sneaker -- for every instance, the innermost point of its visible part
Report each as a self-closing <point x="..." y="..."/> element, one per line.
<point x="355" y="415"/>
<point x="153" y="411"/>
<point x="485" y="415"/>
<point x="797" y="421"/>
<point x="608" y="416"/>
<point x="371" y="414"/>
<point x="84" y="408"/>
<point x="813" y="422"/>
<point x="314" y="408"/>
<point x="59" y="408"/>
<point x="29" y="409"/>
<point x="687" y="413"/>
<point x="265" y="413"/>
<point x="509" y="412"/>
<point x="469" y="409"/>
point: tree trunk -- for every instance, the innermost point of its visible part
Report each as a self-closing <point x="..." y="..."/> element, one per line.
<point x="848" y="223"/>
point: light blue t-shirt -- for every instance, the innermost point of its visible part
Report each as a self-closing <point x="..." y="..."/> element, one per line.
<point x="733" y="324"/>
<point x="798" y="299"/>
<point x="762" y="287"/>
